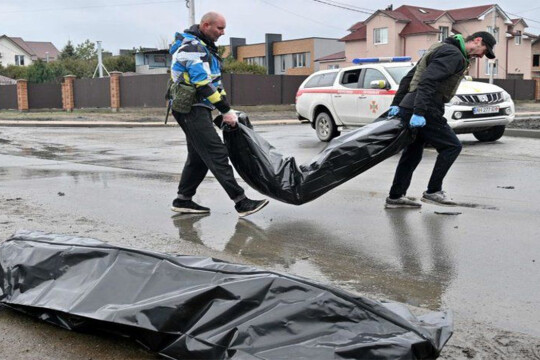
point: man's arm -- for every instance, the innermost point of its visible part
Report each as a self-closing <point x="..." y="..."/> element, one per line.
<point x="195" y="60"/>
<point x="403" y="87"/>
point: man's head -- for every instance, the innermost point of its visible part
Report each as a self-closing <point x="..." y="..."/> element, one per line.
<point x="212" y="25"/>
<point x="479" y="44"/>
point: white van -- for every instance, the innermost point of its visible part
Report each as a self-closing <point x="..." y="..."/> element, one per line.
<point x="354" y="96"/>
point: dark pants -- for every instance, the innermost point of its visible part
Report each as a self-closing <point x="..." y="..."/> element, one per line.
<point x="437" y="133"/>
<point x="206" y="152"/>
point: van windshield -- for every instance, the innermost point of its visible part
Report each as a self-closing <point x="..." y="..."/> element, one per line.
<point x="397" y="73"/>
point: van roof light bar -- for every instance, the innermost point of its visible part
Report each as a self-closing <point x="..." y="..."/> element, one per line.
<point x="381" y="59"/>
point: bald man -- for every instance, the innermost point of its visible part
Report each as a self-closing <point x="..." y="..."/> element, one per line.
<point x="196" y="62"/>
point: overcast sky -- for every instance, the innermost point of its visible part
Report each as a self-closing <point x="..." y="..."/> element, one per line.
<point x="124" y="24"/>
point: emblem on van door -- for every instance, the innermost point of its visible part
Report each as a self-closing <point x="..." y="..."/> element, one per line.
<point x="373" y="107"/>
<point x="483" y="98"/>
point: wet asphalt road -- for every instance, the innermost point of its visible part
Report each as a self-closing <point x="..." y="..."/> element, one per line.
<point x="117" y="185"/>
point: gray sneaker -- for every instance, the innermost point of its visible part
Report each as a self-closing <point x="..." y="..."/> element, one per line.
<point x="438" y="198"/>
<point x="402" y="202"/>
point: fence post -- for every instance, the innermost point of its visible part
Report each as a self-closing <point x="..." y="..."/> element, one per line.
<point x="115" y="90"/>
<point x="22" y="94"/>
<point x="68" y="95"/>
<point x="537" y="89"/>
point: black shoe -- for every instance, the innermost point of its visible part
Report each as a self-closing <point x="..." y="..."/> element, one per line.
<point x="188" y="207"/>
<point x="247" y="206"/>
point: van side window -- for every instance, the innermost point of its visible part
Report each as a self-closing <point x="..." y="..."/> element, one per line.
<point x="370" y="75"/>
<point x="350" y="78"/>
<point x="313" y="82"/>
<point x="328" y="79"/>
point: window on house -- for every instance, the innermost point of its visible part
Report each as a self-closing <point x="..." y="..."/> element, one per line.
<point x="258" y="60"/>
<point x="333" y="66"/>
<point x="489" y="66"/>
<point x="444" y="31"/>
<point x="380" y="36"/>
<point x="536" y="60"/>
<point x="299" y="60"/>
<point x="19" y="60"/>
<point x="283" y="63"/>
<point x="160" y="59"/>
<point x="517" y="37"/>
<point x="494" y="32"/>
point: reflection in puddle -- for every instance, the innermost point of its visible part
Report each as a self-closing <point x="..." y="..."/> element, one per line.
<point x="309" y="250"/>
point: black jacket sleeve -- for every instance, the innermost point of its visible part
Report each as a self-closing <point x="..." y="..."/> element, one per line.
<point x="444" y="62"/>
<point x="403" y="87"/>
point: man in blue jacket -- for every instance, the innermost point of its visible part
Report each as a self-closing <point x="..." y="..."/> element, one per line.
<point x="420" y="101"/>
<point x="196" y="61"/>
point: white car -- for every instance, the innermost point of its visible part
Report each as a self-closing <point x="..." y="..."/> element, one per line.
<point x="354" y="96"/>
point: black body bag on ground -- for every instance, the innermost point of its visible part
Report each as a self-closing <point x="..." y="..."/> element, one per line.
<point x="272" y="174"/>
<point x="189" y="307"/>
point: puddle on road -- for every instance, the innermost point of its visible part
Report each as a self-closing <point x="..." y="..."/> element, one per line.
<point x="311" y="250"/>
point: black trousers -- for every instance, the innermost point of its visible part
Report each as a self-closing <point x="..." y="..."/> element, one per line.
<point x="206" y="152"/>
<point x="437" y="133"/>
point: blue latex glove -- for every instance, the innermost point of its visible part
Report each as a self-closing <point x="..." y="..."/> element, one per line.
<point x="417" y="121"/>
<point x="394" y="110"/>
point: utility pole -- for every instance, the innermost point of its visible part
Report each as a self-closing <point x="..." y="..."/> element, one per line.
<point x="491" y="62"/>
<point x="100" y="65"/>
<point x="190" y="4"/>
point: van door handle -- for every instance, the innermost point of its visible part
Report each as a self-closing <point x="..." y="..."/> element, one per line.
<point x="362" y="97"/>
<point x="337" y="96"/>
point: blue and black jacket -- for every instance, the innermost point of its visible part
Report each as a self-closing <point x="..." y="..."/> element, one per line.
<point x="195" y="60"/>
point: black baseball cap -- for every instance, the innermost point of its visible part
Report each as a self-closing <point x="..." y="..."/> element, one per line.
<point x="488" y="40"/>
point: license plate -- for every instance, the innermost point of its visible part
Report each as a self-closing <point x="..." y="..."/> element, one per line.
<point x="485" y="110"/>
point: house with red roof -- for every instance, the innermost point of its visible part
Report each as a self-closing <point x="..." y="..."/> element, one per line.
<point x="411" y="30"/>
<point x="16" y="51"/>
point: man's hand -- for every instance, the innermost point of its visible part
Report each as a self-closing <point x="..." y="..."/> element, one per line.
<point x="394" y="110"/>
<point x="417" y="121"/>
<point x="230" y="118"/>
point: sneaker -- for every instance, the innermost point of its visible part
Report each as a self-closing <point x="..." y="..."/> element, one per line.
<point x="188" y="207"/>
<point x="247" y="206"/>
<point x="438" y="198"/>
<point x="402" y="202"/>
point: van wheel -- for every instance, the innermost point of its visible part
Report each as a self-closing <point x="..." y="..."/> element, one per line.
<point x="325" y="127"/>
<point x="491" y="134"/>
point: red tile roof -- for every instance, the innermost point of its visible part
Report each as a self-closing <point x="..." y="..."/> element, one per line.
<point x="417" y="24"/>
<point x="337" y="56"/>
<point x="22" y="44"/>
<point x="469" y="13"/>
<point x="356" y="26"/>
<point x="41" y="48"/>
<point x="359" y="34"/>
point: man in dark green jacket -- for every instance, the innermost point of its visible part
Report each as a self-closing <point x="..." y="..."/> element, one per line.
<point x="420" y="101"/>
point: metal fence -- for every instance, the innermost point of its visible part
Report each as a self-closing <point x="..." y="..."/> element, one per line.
<point x="8" y="96"/>
<point x="92" y="93"/>
<point x="149" y="91"/>
<point x="517" y="88"/>
<point x="44" y="96"/>
<point x="143" y="90"/>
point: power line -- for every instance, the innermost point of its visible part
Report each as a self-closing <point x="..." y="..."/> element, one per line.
<point x="342" y="6"/>
<point x="92" y="6"/>
<point x="536" y="21"/>
<point x="304" y="17"/>
<point x="371" y="11"/>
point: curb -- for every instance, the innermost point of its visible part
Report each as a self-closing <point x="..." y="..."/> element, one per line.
<point x="525" y="133"/>
<point x="30" y="123"/>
